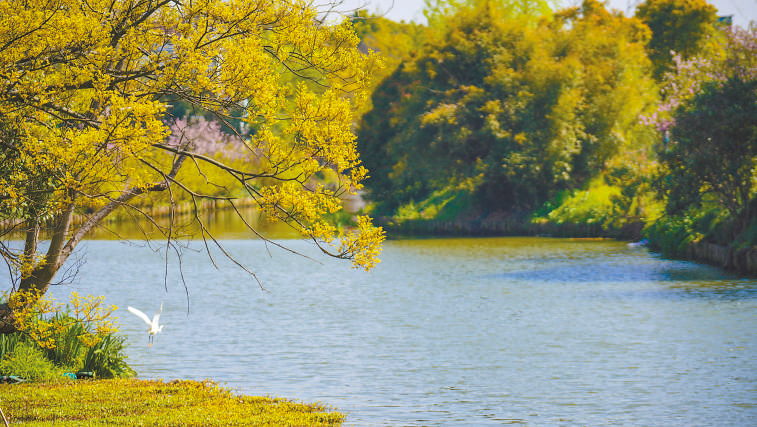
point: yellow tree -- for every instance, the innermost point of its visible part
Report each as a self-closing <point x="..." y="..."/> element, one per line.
<point x="84" y="88"/>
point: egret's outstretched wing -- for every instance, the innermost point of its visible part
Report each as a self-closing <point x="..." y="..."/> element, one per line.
<point x="156" y="317"/>
<point x="140" y="315"/>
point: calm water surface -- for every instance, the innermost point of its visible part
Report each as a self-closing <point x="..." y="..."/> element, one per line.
<point x="529" y="331"/>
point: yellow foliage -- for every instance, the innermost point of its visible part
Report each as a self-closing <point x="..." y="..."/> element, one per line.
<point x="368" y="238"/>
<point x="38" y="317"/>
<point x="85" y="85"/>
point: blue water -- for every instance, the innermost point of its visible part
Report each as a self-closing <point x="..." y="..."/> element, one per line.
<point x="449" y="332"/>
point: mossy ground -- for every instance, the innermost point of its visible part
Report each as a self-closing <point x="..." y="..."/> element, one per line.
<point x="152" y="403"/>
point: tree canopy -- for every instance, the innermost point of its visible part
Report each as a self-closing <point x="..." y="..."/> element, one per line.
<point x="85" y="94"/>
<point x="395" y="42"/>
<point x="680" y="27"/>
<point x="507" y="111"/>
<point x="708" y="120"/>
<point x="438" y="12"/>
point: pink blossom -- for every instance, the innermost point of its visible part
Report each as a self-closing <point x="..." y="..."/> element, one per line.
<point x="205" y="137"/>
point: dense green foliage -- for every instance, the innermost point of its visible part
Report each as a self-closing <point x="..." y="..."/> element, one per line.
<point x="679" y="26"/>
<point x="394" y="41"/>
<point x="708" y="154"/>
<point x="580" y="121"/>
<point x="712" y="153"/>
<point x="153" y="403"/>
<point x="24" y="358"/>
<point x="26" y="361"/>
<point x="674" y="234"/>
<point x="507" y="112"/>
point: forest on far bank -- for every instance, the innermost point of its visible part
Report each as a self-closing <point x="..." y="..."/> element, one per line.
<point x="504" y="117"/>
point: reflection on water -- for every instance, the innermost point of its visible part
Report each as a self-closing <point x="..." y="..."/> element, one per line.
<point x="222" y="223"/>
<point x="218" y="223"/>
<point x="452" y="332"/>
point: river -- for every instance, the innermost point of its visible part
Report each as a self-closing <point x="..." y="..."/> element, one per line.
<point x="448" y="332"/>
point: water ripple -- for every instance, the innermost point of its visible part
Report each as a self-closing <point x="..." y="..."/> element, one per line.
<point x="523" y="331"/>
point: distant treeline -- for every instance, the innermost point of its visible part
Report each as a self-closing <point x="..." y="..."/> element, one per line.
<point x="504" y="117"/>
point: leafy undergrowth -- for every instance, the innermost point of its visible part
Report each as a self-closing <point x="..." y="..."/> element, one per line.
<point x="152" y="403"/>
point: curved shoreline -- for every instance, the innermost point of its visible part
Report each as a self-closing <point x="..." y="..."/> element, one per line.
<point x="739" y="260"/>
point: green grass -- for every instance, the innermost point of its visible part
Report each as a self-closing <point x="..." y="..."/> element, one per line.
<point x="152" y="403"/>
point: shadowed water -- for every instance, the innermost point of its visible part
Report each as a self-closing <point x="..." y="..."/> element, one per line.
<point x="476" y="332"/>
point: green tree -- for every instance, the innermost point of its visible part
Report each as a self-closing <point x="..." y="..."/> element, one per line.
<point x="712" y="151"/>
<point x="394" y="41"/>
<point x="678" y="26"/>
<point x="507" y="112"/>
<point x="708" y="127"/>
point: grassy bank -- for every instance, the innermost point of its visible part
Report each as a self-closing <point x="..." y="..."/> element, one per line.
<point x="511" y="226"/>
<point x="56" y="343"/>
<point x="152" y="403"/>
<point x="666" y="236"/>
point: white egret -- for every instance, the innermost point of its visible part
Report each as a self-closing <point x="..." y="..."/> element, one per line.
<point x="155" y="328"/>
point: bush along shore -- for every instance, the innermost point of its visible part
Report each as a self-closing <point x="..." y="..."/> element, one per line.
<point x="707" y="237"/>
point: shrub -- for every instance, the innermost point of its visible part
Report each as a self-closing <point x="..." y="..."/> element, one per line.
<point x="672" y="235"/>
<point x="77" y="337"/>
<point x="106" y="359"/>
<point x="592" y="206"/>
<point x="29" y="362"/>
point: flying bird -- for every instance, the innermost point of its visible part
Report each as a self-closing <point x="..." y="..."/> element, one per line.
<point x="155" y="328"/>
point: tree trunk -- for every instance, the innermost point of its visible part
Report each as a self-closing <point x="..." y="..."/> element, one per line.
<point x="7" y="319"/>
<point x="43" y="273"/>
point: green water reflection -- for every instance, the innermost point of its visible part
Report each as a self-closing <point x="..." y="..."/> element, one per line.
<point x="220" y="224"/>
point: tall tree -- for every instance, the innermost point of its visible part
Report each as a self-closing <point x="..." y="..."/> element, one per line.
<point x="678" y="27"/>
<point x="713" y="149"/>
<point x="510" y="111"/>
<point x="438" y="12"/>
<point x="394" y="41"/>
<point x="709" y="124"/>
<point x="84" y="86"/>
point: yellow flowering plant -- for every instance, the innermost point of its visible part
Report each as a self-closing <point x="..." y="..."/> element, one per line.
<point x="79" y="336"/>
<point x="44" y="321"/>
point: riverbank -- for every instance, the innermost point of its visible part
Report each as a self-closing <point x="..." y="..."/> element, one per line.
<point x="742" y="260"/>
<point x="506" y="226"/>
<point x="152" y="402"/>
